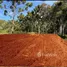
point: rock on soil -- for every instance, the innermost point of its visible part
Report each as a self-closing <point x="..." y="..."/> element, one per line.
<point x="32" y="50"/>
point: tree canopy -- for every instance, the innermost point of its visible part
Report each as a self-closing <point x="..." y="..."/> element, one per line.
<point x="42" y="19"/>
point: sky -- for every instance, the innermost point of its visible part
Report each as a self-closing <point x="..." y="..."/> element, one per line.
<point x="35" y="3"/>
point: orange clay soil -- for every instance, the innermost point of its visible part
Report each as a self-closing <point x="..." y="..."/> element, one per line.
<point x="32" y="50"/>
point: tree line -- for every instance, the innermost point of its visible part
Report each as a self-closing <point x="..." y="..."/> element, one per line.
<point x="42" y="19"/>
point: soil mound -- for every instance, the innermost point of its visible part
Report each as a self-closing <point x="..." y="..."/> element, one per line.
<point x="32" y="50"/>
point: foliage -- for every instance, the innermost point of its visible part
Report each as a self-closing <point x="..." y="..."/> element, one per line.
<point x="42" y="19"/>
<point x="3" y="27"/>
<point x="14" y="9"/>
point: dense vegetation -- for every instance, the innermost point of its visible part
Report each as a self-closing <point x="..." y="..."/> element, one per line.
<point x="43" y="19"/>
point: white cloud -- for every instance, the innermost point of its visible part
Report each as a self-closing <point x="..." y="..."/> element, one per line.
<point x="10" y="13"/>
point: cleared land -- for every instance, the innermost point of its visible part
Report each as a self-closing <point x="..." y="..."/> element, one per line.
<point x="32" y="50"/>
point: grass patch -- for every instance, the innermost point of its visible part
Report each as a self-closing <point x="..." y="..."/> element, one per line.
<point x="3" y="32"/>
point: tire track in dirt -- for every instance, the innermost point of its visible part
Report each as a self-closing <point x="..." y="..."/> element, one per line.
<point x="25" y="50"/>
<point x="23" y="42"/>
<point x="33" y="50"/>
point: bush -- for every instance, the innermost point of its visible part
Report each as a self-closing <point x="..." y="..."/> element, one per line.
<point x="63" y="36"/>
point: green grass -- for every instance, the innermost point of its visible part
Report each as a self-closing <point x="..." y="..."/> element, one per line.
<point x="3" y="32"/>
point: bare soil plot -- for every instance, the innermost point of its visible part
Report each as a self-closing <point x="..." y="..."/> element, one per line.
<point x="32" y="50"/>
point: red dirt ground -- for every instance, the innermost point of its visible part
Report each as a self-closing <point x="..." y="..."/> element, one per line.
<point x="32" y="50"/>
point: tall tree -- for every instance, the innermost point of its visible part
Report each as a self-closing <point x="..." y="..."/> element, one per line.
<point x="41" y="12"/>
<point x="58" y="16"/>
<point x="35" y="21"/>
<point x="15" y="7"/>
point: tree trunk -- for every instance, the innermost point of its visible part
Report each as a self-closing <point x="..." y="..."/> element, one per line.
<point x="32" y="28"/>
<point x="12" y="30"/>
<point x="13" y="17"/>
<point x="39" y="29"/>
<point x="60" y="30"/>
<point x="63" y="29"/>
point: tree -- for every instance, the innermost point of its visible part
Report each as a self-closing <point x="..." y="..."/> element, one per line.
<point x="3" y="27"/>
<point x="58" y="16"/>
<point x="36" y="21"/>
<point x="47" y="19"/>
<point x="15" y="9"/>
<point x="41" y="12"/>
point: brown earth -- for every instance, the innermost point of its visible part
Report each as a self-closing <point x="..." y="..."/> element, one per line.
<point x="32" y="50"/>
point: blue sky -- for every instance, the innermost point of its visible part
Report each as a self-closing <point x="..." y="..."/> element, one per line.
<point x="35" y="3"/>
